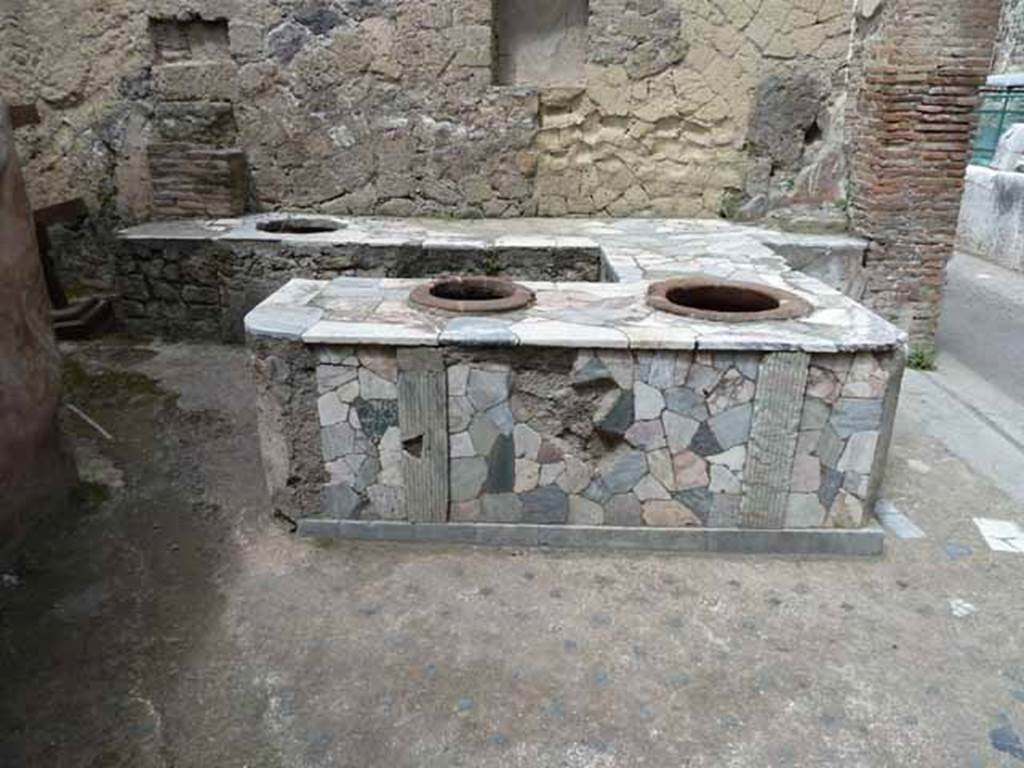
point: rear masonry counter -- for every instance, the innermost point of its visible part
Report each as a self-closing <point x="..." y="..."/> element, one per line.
<point x="197" y="279"/>
<point x="592" y="415"/>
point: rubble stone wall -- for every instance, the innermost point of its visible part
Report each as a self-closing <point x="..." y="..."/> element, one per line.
<point x="681" y="107"/>
<point x="202" y="289"/>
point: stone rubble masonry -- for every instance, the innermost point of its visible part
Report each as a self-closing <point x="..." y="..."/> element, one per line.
<point x="202" y="288"/>
<point x="395" y="107"/>
<point x="669" y="123"/>
<point x="525" y="447"/>
<point x="916" y="72"/>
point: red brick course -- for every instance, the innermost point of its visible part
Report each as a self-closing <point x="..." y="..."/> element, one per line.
<point x="912" y="117"/>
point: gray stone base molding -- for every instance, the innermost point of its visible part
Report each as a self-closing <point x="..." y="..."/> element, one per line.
<point x="863" y="542"/>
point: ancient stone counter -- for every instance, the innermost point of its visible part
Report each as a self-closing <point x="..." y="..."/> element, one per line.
<point x="197" y="279"/>
<point x="589" y="411"/>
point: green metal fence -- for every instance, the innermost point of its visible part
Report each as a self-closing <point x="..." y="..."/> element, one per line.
<point x="1000" y="107"/>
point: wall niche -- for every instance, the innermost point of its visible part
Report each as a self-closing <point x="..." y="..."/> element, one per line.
<point x="177" y="40"/>
<point x="540" y="42"/>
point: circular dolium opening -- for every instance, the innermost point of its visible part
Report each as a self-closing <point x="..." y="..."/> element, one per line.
<point x="471" y="290"/>
<point x="472" y="294"/>
<point x="722" y="298"/>
<point x="299" y="225"/>
<point x="706" y="298"/>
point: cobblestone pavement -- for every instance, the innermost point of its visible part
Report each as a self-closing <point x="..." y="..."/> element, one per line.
<point x="170" y="622"/>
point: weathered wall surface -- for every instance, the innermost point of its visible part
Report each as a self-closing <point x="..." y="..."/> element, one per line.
<point x="1010" y="49"/>
<point x="694" y="108"/>
<point x="77" y="60"/>
<point x="35" y="473"/>
<point x="682" y="108"/>
<point x="83" y="63"/>
<point x="917" y="66"/>
<point x="391" y="107"/>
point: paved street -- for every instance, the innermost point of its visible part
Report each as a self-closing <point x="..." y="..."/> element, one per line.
<point x="982" y="325"/>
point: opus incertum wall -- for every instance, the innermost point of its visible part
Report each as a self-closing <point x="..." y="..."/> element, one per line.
<point x="589" y="417"/>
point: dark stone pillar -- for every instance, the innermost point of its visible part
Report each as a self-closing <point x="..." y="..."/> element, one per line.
<point x="36" y="472"/>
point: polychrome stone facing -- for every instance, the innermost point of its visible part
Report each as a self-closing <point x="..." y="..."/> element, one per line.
<point x="360" y="436"/>
<point x="611" y="437"/>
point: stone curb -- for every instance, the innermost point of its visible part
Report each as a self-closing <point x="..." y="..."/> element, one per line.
<point x="864" y="542"/>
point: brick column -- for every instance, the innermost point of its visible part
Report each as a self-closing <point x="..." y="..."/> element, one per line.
<point x="916" y="72"/>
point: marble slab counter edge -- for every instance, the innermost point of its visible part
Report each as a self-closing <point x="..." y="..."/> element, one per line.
<point x="375" y="311"/>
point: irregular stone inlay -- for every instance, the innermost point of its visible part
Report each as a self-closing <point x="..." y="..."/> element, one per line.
<point x="615" y="414"/>
<point x="547" y="505"/>
<point x="624" y="470"/>
<point x="376" y="416"/>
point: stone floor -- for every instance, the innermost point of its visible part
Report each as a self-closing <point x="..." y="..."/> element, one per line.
<point x="169" y="622"/>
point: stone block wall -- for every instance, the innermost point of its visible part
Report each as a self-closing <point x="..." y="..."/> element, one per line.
<point x="620" y="438"/>
<point x="916" y="74"/>
<point x="171" y="289"/>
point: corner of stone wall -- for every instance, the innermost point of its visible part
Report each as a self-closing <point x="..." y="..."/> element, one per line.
<point x="289" y="429"/>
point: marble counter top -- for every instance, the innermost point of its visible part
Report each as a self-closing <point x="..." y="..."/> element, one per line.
<point x="370" y="311"/>
<point x="631" y="249"/>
